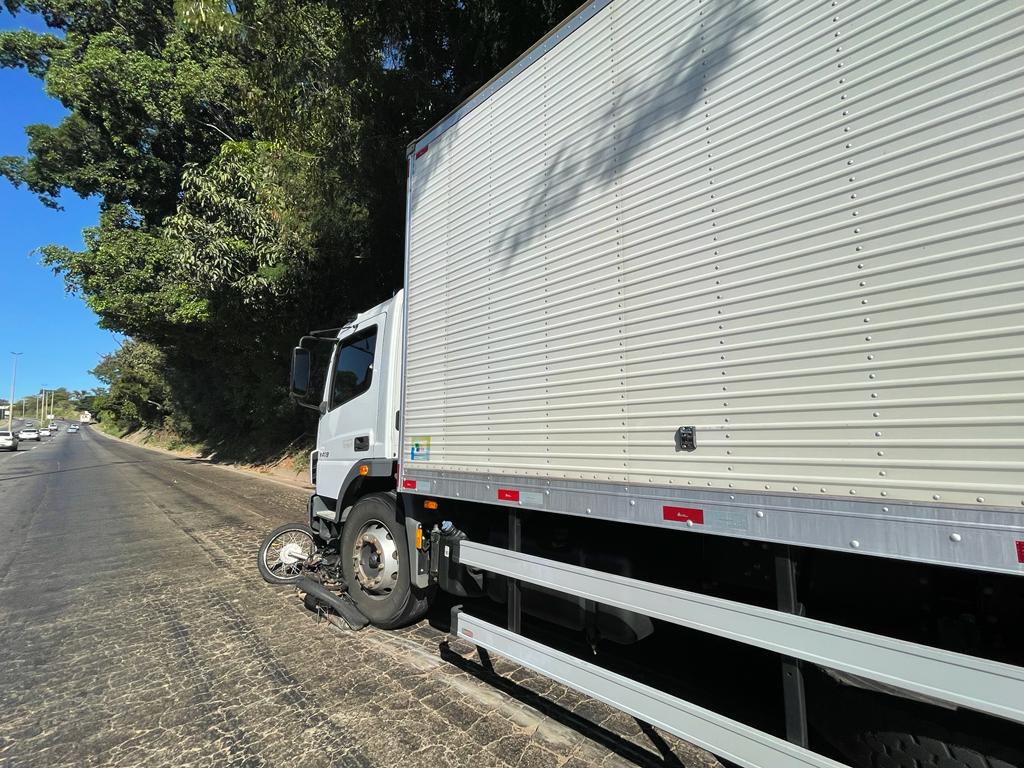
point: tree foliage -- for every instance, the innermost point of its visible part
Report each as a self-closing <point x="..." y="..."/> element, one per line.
<point x="22" y="48"/>
<point x="137" y="392"/>
<point x="130" y="276"/>
<point x="235" y="229"/>
<point x="249" y="158"/>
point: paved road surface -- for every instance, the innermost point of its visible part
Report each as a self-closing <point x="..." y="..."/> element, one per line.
<point x="134" y="630"/>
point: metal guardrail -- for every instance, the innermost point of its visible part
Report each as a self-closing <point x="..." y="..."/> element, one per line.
<point x="727" y="738"/>
<point x="980" y="684"/>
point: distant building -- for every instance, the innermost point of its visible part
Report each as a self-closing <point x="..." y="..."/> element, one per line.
<point x="85" y="417"/>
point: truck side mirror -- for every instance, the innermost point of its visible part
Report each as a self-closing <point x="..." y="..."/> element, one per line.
<point x="301" y="363"/>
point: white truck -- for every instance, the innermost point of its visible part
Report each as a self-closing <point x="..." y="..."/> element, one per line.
<point x="705" y="391"/>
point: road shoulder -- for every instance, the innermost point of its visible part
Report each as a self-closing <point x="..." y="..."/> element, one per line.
<point x="275" y="474"/>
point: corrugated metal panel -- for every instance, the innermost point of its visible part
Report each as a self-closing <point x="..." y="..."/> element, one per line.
<point x="794" y="225"/>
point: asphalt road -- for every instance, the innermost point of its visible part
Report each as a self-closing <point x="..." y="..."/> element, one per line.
<point x="135" y="630"/>
<point x="17" y="424"/>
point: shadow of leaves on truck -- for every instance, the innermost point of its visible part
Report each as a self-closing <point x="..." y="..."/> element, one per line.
<point x="648" y="105"/>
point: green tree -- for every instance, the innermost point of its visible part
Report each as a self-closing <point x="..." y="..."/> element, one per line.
<point x="146" y="98"/>
<point x="249" y="159"/>
<point x="130" y="275"/>
<point x="137" y="394"/>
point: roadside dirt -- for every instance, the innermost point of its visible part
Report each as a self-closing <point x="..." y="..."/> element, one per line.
<point x="286" y="469"/>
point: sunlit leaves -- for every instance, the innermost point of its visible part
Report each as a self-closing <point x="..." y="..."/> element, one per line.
<point x="146" y="98"/>
<point x="22" y="48"/>
<point x="232" y="229"/>
<point x="210" y="16"/>
<point x="129" y="275"/>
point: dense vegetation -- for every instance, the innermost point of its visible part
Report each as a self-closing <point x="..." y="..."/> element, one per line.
<point x="249" y="160"/>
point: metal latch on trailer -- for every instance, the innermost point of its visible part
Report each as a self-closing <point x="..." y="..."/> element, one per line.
<point x="686" y="439"/>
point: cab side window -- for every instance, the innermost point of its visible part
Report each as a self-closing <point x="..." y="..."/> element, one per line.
<point x="353" y="367"/>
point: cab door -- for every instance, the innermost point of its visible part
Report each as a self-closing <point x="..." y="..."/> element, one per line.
<point x="350" y="430"/>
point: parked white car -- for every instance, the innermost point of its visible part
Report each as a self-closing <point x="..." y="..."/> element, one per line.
<point x="8" y="440"/>
<point x="29" y="433"/>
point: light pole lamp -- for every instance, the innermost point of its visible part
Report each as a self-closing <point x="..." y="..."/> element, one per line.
<point x="14" y="379"/>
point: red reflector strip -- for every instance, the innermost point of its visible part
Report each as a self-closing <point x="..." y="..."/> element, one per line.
<point x="508" y="494"/>
<point x="683" y="515"/>
<point x="467" y="632"/>
<point x="421" y="152"/>
<point x="1020" y="551"/>
<point x="411" y="484"/>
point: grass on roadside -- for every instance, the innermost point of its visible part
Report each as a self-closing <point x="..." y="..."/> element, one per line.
<point x="110" y="428"/>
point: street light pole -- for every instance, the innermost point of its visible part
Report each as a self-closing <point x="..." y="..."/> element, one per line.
<point x="14" y="378"/>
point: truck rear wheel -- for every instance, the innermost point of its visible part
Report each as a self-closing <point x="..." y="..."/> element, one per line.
<point x="375" y="561"/>
<point x="872" y="730"/>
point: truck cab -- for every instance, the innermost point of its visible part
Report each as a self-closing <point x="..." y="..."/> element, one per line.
<point x="352" y="377"/>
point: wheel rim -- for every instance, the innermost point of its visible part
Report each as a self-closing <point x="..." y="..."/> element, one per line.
<point x="375" y="559"/>
<point x="286" y="553"/>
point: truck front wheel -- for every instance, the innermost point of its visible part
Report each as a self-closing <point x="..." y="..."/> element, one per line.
<point x="375" y="561"/>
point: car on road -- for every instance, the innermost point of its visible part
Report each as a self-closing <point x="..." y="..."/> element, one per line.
<point x="29" y="433"/>
<point x="8" y="440"/>
<point x="72" y="429"/>
<point x="54" y="427"/>
<point x="45" y="432"/>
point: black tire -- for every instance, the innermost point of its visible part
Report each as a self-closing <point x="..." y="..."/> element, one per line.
<point x="873" y="730"/>
<point x="275" y="569"/>
<point x="386" y="607"/>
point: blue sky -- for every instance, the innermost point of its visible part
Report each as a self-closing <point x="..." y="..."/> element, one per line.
<point x="57" y="333"/>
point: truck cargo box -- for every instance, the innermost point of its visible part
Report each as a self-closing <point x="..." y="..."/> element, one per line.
<point x="752" y="268"/>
